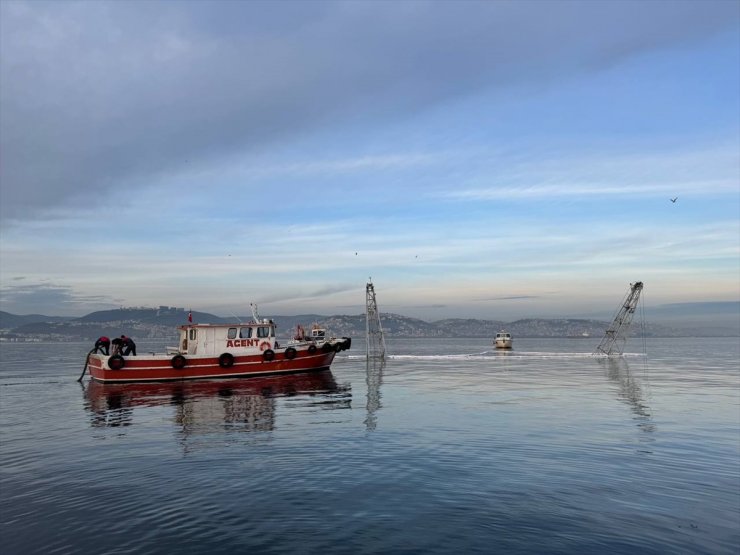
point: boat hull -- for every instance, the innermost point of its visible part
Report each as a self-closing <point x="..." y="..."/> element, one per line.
<point x="159" y="368"/>
<point x="503" y="343"/>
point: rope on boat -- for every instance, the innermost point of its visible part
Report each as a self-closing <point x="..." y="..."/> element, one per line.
<point x="84" y="368"/>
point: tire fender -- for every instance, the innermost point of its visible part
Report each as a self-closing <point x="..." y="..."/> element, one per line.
<point x="226" y="360"/>
<point x="116" y="362"/>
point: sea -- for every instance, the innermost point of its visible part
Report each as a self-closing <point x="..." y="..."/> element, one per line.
<point x="446" y="446"/>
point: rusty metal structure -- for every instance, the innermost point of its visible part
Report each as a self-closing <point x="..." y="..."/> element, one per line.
<point x="616" y="334"/>
<point x="374" y="331"/>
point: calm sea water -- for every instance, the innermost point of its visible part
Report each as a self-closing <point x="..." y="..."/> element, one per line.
<point x="449" y="447"/>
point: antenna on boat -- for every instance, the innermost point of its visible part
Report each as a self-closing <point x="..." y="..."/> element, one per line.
<point x="373" y="330"/>
<point x="255" y="314"/>
<point x="235" y="316"/>
<point x="615" y="337"/>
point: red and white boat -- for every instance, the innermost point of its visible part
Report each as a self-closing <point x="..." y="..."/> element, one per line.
<point x="208" y="351"/>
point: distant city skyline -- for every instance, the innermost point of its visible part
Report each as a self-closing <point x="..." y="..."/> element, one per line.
<point x="494" y="160"/>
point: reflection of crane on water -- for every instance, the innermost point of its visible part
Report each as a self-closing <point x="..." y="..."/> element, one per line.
<point x="630" y="392"/>
<point x="616" y="334"/>
<point x="373" y="380"/>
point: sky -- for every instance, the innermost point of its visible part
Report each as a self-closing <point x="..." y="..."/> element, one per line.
<point x="496" y="160"/>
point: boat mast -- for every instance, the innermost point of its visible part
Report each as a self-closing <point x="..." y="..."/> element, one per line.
<point x="616" y="334"/>
<point x="255" y="314"/>
<point x="373" y="330"/>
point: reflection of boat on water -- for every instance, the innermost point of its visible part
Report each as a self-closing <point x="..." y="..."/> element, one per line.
<point x="247" y="401"/>
<point x="503" y="340"/>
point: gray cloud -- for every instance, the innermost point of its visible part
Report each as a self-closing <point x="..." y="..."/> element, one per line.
<point x="32" y="298"/>
<point x="98" y="95"/>
<point x="301" y="295"/>
<point x="511" y="298"/>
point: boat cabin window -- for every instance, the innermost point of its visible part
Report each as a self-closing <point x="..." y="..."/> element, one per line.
<point x="193" y="334"/>
<point x="231" y="333"/>
<point x="263" y="331"/>
<point x="245" y="333"/>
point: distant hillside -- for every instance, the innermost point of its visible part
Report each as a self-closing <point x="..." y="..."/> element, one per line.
<point x="146" y="323"/>
<point x="395" y="325"/>
<point x="681" y="310"/>
<point x="160" y="316"/>
<point x="9" y="321"/>
<point x="714" y="318"/>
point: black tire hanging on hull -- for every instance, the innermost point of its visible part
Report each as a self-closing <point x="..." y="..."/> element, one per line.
<point x="226" y="360"/>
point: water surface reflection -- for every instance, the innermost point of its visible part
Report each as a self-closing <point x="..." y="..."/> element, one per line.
<point x="630" y="391"/>
<point x="249" y="404"/>
<point x="373" y="380"/>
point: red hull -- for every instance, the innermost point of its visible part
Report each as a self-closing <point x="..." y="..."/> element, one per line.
<point x="160" y="368"/>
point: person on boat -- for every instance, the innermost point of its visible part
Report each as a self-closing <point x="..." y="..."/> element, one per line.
<point x="117" y="346"/>
<point x="103" y="343"/>
<point x="129" y="347"/>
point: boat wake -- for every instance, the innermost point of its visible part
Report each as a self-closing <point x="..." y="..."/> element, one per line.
<point x="491" y="355"/>
<point x="46" y="382"/>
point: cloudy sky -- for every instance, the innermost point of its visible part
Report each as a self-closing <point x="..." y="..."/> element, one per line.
<point x="476" y="159"/>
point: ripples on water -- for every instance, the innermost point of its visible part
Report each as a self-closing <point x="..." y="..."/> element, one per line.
<point x="448" y="447"/>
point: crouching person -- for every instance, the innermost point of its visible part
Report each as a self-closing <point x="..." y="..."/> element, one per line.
<point x="128" y="345"/>
<point x="117" y="346"/>
<point x="102" y="345"/>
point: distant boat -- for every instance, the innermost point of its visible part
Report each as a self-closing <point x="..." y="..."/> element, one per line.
<point x="503" y="340"/>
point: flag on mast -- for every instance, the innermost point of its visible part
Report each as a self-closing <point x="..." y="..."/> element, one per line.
<point x="190" y="316"/>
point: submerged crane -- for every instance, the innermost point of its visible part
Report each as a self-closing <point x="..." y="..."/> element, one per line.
<point x="374" y="331"/>
<point x="616" y="334"/>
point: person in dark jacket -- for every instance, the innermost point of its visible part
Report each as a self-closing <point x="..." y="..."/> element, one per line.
<point x="129" y="347"/>
<point x="103" y="343"/>
<point x="117" y="345"/>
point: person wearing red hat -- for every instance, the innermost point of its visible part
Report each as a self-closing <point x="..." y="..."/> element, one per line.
<point x="103" y="343"/>
<point x="129" y="347"/>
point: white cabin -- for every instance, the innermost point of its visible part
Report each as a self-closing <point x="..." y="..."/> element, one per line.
<point x="237" y="339"/>
<point x="503" y="340"/>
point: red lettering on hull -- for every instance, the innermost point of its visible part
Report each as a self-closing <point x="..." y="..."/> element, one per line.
<point x="241" y="342"/>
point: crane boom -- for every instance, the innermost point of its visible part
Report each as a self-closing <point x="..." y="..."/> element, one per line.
<point x="616" y="334"/>
<point x="373" y="329"/>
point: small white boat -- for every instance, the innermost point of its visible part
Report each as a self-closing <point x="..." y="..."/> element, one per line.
<point x="503" y="340"/>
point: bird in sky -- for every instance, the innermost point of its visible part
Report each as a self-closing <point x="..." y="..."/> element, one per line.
<point x="673" y="200"/>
